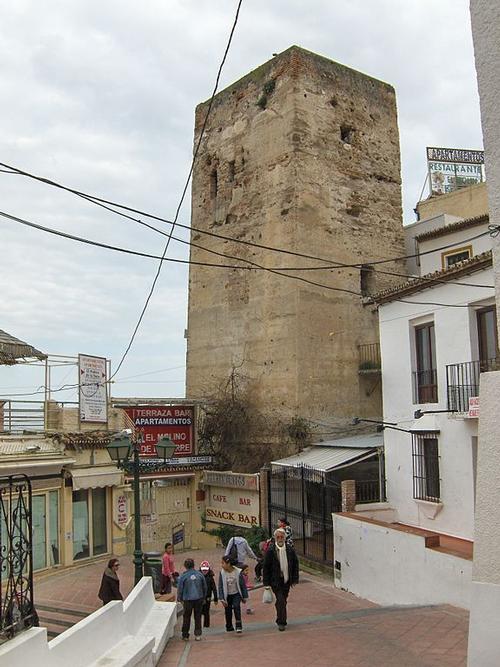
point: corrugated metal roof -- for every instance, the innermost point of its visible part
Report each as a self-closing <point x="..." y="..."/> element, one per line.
<point x="359" y="440"/>
<point x="325" y="458"/>
<point x="12" y="349"/>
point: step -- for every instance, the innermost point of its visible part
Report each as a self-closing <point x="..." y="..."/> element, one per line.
<point x="57" y="620"/>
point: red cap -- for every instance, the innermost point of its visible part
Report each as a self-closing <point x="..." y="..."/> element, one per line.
<point x="205" y="565"/>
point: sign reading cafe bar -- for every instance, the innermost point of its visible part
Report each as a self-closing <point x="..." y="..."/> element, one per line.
<point x="233" y="498"/>
<point x="92" y="380"/>
<point x="453" y="168"/>
<point x="155" y="421"/>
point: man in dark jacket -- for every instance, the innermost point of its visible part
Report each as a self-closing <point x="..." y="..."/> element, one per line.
<point x="191" y="591"/>
<point x="280" y="571"/>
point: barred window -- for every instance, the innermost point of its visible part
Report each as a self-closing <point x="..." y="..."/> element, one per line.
<point x="425" y="452"/>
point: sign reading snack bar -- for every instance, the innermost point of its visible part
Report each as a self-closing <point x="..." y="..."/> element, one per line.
<point x="232" y="498"/>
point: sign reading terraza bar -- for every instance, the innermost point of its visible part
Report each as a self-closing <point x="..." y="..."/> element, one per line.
<point x="233" y="498"/>
<point x="153" y="422"/>
<point x="453" y="168"/>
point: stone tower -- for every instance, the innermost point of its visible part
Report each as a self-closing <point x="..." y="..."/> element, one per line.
<point x="300" y="154"/>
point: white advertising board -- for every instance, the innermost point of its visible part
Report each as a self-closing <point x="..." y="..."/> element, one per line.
<point x="93" y="403"/>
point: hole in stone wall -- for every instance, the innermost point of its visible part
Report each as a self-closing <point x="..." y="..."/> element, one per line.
<point x="346" y="133"/>
<point x="230" y="173"/>
<point x="213" y="184"/>
<point x="366" y="280"/>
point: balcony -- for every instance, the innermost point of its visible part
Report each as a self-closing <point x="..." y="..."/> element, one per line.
<point x="369" y="358"/>
<point x="425" y="388"/>
<point x="462" y="382"/>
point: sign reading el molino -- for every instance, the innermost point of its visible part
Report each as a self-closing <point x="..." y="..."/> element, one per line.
<point x="155" y="421"/>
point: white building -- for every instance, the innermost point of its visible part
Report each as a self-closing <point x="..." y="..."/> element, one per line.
<point x="437" y="336"/>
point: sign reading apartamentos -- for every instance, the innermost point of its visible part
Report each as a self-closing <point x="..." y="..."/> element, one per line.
<point x="453" y="168"/>
<point x="154" y="422"/>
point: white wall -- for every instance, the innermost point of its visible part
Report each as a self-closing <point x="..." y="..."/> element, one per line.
<point x="456" y="342"/>
<point x="432" y="262"/>
<point x="391" y="567"/>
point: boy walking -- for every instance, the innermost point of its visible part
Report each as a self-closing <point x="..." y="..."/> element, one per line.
<point x="191" y="591"/>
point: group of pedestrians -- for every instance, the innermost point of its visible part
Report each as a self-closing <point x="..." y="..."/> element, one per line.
<point x="277" y="567"/>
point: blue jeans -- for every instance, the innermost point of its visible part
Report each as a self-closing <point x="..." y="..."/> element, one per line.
<point x="233" y="604"/>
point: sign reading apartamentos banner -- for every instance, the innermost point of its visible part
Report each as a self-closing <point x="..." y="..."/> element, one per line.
<point x="92" y="389"/>
<point x="232" y="498"/>
<point x="453" y="168"/>
<point x="154" y="422"/>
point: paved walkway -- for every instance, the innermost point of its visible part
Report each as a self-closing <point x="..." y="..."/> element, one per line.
<point x="326" y="626"/>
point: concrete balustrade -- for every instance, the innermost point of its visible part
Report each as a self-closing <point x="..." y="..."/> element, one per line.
<point x="133" y="633"/>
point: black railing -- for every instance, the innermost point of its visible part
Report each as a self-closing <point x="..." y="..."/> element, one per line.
<point x="307" y="498"/>
<point x="425" y="389"/>
<point x="370" y="491"/>
<point x="17" y="611"/>
<point x="369" y="358"/>
<point x="462" y="382"/>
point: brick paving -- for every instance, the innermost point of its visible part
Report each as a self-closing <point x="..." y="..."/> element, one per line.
<point x="326" y="626"/>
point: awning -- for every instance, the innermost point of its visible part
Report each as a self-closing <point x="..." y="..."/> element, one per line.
<point x="34" y="469"/>
<point x="96" y="477"/>
<point x="326" y="459"/>
<point x="367" y="440"/>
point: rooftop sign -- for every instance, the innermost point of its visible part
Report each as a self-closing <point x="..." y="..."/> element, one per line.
<point x="453" y="168"/>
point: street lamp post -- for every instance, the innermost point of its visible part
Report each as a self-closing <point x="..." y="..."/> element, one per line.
<point x="120" y="451"/>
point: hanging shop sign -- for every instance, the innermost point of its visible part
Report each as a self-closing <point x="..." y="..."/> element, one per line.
<point x="153" y="422"/>
<point x="92" y="384"/>
<point x="231" y="500"/>
<point x="453" y="168"/>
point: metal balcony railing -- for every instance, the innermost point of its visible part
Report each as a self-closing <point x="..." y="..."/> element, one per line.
<point x="19" y="416"/>
<point x="369" y="358"/>
<point x="370" y="491"/>
<point x="425" y="389"/>
<point x="462" y="382"/>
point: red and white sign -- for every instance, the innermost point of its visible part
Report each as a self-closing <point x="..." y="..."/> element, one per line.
<point x="121" y="510"/>
<point x="473" y="406"/>
<point x="154" y="422"/>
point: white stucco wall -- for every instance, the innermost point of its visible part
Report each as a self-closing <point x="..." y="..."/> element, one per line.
<point x="433" y="261"/>
<point x="394" y="568"/>
<point x="484" y="638"/>
<point x="456" y="342"/>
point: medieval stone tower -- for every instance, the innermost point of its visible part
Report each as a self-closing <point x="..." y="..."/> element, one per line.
<point x="301" y="154"/>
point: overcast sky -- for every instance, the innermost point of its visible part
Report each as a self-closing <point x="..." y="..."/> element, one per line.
<point x="101" y="96"/>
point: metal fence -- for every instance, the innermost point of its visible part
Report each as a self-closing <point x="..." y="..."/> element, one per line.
<point x="462" y="382"/>
<point x="306" y="498"/>
<point x="369" y="357"/>
<point x="370" y="491"/>
<point x="17" y="611"/>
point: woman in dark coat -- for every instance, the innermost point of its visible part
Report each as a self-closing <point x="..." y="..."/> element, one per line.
<point x="110" y="584"/>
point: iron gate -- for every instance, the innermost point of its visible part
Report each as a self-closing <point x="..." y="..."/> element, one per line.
<point x="306" y="498"/>
<point x="17" y="611"/>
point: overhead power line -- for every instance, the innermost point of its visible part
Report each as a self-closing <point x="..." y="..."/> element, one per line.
<point x="330" y="264"/>
<point x="98" y="244"/>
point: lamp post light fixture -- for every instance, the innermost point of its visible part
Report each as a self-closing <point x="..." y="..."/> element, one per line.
<point x="124" y="450"/>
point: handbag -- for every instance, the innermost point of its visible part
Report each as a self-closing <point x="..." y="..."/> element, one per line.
<point x="267" y="596"/>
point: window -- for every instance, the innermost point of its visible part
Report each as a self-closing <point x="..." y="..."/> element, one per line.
<point x="45" y="519"/>
<point x="90" y="526"/>
<point x="487" y="337"/>
<point x="425" y="453"/>
<point x="425" y="377"/>
<point x="367" y="279"/>
<point x="456" y="255"/>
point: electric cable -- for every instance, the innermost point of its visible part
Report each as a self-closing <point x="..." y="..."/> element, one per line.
<point x="331" y="263"/>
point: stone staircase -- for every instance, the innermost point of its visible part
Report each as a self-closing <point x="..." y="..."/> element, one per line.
<point x="58" y="619"/>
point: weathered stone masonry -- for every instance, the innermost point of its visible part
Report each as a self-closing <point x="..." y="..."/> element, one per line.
<point x="302" y="154"/>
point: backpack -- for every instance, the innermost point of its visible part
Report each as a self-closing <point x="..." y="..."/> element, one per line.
<point x="233" y="552"/>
